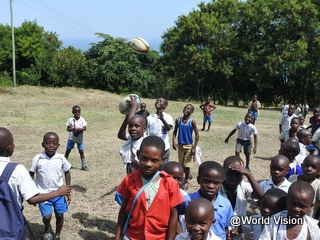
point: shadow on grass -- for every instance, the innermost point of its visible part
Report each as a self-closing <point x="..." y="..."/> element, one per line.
<point x="113" y="190"/>
<point x="263" y="158"/>
<point x="35" y="231"/>
<point x="78" y="188"/>
<point x="104" y="225"/>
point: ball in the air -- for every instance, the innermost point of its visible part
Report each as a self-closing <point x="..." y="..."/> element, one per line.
<point x="139" y="45"/>
<point x="125" y="104"/>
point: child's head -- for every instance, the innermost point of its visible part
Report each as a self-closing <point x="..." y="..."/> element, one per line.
<point x="6" y="143"/>
<point x="299" y="199"/>
<point x="254" y="98"/>
<point x="199" y="218"/>
<point x="151" y="155"/>
<point x="304" y="136"/>
<point x="295" y="123"/>
<point x="316" y="112"/>
<point x="76" y="110"/>
<point x="188" y="110"/>
<point x="50" y="143"/>
<point x="248" y="118"/>
<point x="232" y="178"/>
<point x="301" y="120"/>
<point x="279" y="167"/>
<point x="143" y="106"/>
<point x="137" y="125"/>
<point x="161" y="103"/>
<point x="273" y="201"/>
<point x="210" y="178"/>
<point x="208" y="99"/>
<point x="291" y="109"/>
<point x="311" y="167"/>
<point x="175" y="170"/>
<point x="290" y="148"/>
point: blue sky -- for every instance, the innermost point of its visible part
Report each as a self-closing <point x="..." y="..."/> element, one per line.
<point x="76" y="21"/>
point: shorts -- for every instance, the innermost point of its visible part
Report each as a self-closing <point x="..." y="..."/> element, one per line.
<point x="246" y="144"/>
<point x="207" y="118"/>
<point x="185" y="158"/>
<point x="70" y="145"/>
<point x="254" y="114"/>
<point x="59" y="205"/>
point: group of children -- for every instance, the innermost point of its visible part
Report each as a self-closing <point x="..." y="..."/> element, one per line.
<point x="288" y="200"/>
<point x="44" y="184"/>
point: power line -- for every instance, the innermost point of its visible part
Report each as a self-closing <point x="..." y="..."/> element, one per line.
<point x="60" y="21"/>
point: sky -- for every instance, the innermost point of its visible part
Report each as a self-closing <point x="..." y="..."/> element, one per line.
<point x="76" y="21"/>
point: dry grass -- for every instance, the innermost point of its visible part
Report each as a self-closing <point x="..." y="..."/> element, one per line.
<point x="30" y="112"/>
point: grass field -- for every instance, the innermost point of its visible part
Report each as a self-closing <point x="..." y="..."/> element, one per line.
<point x="30" y="112"/>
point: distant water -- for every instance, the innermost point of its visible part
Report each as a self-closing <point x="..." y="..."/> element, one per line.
<point x="84" y="43"/>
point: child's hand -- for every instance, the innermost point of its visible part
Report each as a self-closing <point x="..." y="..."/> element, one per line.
<point x="239" y="168"/>
<point x="134" y="102"/>
<point x="254" y="150"/>
<point x="226" y="140"/>
<point x="64" y="190"/>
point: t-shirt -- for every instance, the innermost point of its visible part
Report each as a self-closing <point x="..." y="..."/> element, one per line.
<point x="74" y="123"/>
<point x="246" y="130"/>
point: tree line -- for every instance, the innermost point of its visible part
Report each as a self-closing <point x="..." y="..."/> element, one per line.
<point x="226" y="49"/>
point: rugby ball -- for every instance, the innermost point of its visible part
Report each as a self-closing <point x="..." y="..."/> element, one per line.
<point x="139" y="45"/>
<point x="125" y="104"/>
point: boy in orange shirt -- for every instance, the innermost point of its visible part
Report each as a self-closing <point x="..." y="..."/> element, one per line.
<point x="154" y="215"/>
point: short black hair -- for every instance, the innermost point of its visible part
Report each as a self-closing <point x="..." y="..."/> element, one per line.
<point x="279" y="194"/>
<point x="153" y="141"/>
<point x="140" y="117"/>
<point x="50" y="134"/>
<point x="302" y="187"/>
<point x="75" y="107"/>
<point x="172" y="165"/>
<point x="210" y="165"/>
<point x="230" y="160"/>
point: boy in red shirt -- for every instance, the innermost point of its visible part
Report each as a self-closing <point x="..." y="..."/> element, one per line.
<point x="154" y="215"/>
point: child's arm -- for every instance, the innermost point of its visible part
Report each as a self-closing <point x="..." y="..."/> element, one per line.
<point x="172" y="225"/>
<point x="230" y="134"/>
<point x="61" y="191"/>
<point x="196" y="139"/>
<point x="174" y="134"/>
<point x="255" y="143"/>
<point x="253" y="182"/>
<point x="165" y="124"/>
<point x="67" y="176"/>
<point x="122" y="129"/>
<point x="122" y="217"/>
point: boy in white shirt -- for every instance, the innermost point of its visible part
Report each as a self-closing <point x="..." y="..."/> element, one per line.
<point x="246" y="130"/>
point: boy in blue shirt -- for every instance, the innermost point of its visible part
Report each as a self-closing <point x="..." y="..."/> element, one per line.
<point x="210" y="177"/>
<point x="185" y="126"/>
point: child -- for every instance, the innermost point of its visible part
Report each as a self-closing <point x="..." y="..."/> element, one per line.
<point x="207" y="107"/>
<point x="294" y="224"/>
<point x="316" y="141"/>
<point x="159" y="124"/>
<point x="279" y="167"/>
<point x="49" y="167"/>
<point x="305" y="138"/>
<point x="285" y="120"/>
<point x="236" y="189"/>
<point x="292" y="131"/>
<point x="302" y="124"/>
<point x="273" y="201"/>
<point x="175" y="170"/>
<point x="186" y="148"/>
<point x="310" y="169"/>
<point x="136" y="127"/>
<point x="253" y="108"/>
<point x="76" y="125"/>
<point x="154" y="215"/>
<point x="143" y="111"/>
<point x="199" y="219"/>
<point x="246" y="129"/>
<point x="291" y="149"/>
<point x="314" y="120"/>
<point x="20" y="181"/>
<point x="210" y="178"/>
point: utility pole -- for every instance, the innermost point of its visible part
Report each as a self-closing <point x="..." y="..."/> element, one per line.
<point x="13" y="46"/>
